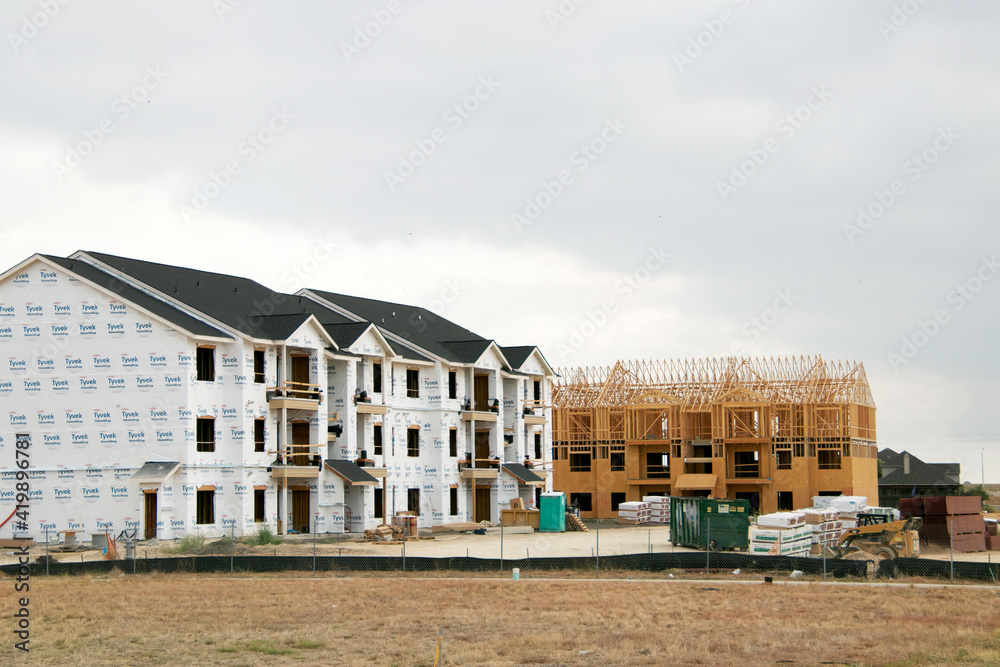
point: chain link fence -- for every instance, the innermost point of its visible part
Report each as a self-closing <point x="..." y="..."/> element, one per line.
<point x="606" y="549"/>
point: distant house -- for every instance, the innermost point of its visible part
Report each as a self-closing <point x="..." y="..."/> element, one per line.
<point x="904" y="476"/>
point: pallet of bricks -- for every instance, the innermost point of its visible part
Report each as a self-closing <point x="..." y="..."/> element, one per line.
<point x="781" y="534"/>
<point x="949" y="520"/>
<point x="826" y="527"/>
<point x="634" y="513"/>
<point x="659" y="508"/>
<point x="992" y="537"/>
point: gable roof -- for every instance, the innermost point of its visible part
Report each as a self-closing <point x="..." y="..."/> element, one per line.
<point x="921" y="474"/>
<point x="161" y="309"/>
<point x="517" y="355"/>
<point x="467" y="351"/>
<point x="419" y="326"/>
<point x="346" y="333"/>
<point x="240" y="303"/>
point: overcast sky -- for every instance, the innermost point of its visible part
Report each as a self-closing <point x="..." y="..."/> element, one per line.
<point x="605" y="180"/>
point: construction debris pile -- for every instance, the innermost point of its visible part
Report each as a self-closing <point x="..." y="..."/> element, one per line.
<point x="385" y="533"/>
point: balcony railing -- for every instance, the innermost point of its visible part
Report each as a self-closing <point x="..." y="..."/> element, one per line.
<point x="294" y="395"/>
<point x="746" y="470"/>
<point x="657" y="472"/>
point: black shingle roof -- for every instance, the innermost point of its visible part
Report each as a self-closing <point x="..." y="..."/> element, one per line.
<point x="412" y="323"/>
<point x="159" y="308"/>
<point x="921" y="474"/>
<point x="467" y="351"/>
<point x="350" y="471"/>
<point x="243" y="304"/>
<point x="345" y="331"/>
<point x="523" y="473"/>
<point x="517" y="355"/>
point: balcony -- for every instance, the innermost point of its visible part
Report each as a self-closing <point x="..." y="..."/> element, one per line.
<point x="297" y="461"/>
<point x="746" y="473"/>
<point x="294" y="396"/>
<point x="532" y="419"/>
<point x="364" y="404"/>
<point x="479" y="468"/>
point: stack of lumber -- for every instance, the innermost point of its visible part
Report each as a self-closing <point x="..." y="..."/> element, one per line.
<point x="634" y="513"/>
<point x="826" y="529"/>
<point x="458" y="527"/>
<point x="383" y="533"/>
<point x="781" y="534"/>
<point x="659" y="508"/>
<point x="573" y="523"/>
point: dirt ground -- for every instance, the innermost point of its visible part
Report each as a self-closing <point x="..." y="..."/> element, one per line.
<point x="380" y="620"/>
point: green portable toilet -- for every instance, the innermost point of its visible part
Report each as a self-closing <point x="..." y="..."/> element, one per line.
<point x="694" y="522"/>
<point x="552" y="512"/>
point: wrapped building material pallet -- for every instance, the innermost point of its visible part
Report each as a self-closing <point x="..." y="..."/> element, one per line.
<point x="782" y="520"/>
<point x="821" y="514"/>
<point x="777" y="541"/>
<point x="633" y="512"/>
<point x="842" y="503"/>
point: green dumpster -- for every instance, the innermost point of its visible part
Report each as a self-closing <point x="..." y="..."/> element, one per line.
<point x="552" y="512"/>
<point x="696" y="522"/>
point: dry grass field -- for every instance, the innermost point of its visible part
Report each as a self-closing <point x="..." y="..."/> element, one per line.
<point x="202" y="620"/>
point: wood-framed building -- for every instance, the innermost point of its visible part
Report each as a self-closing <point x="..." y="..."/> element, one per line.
<point x="775" y="431"/>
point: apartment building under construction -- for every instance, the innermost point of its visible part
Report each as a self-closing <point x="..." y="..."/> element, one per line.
<point x="773" y="431"/>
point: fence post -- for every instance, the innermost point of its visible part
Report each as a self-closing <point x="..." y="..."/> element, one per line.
<point x="314" y="545"/>
<point x="951" y="550"/>
<point x="597" y="540"/>
<point x="404" y="555"/>
<point x="708" y="542"/>
<point x="501" y="547"/>
<point x="650" y="541"/>
<point x="232" y="546"/>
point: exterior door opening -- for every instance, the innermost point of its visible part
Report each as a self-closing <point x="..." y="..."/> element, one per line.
<point x="150" y="530"/>
<point x="300" y="510"/>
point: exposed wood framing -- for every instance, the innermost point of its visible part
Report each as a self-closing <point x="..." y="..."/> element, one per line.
<point x="721" y="416"/>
